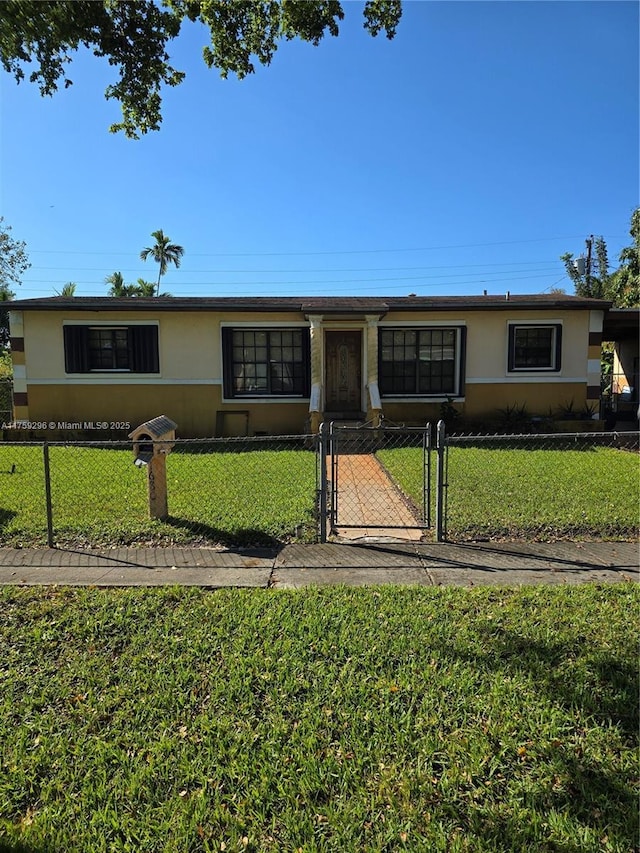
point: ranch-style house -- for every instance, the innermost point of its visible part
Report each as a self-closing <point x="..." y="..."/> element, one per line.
<point x="282" y="365"/>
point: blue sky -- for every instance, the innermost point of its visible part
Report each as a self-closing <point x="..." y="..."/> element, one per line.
<point x="467" y="154"/>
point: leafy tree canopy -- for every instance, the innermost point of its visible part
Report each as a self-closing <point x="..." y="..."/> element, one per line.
<point x="622" y="286"/>
<point x="13" y="264"/>
<point x="68" y="289"/>
<point x="134" y="38"/>
<point x="625" y="284"/>
<point x="13" y="259"/>
<point x="120" y="289"/>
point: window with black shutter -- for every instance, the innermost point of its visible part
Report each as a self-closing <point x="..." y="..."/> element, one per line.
<point x="124" y="349"/>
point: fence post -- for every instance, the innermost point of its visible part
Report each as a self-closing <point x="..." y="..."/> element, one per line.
<point x="440" y="450"/>
<point x="426" y="476"/>
<point x="323" y="481"/>
<point x="47" y="491"/>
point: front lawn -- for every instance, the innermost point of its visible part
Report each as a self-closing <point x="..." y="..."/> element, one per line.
<point x="99" y="497"/>
<point x="319" y="720"/>
<point x="266" y="496"/>
<point x="519" y="493"/>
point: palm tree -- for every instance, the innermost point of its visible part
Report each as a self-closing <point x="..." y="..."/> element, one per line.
<point x="69" y="289"/>
<point x="118" y="287"/>
<point x="146" y="288"/>
<point x="163" y="253"/>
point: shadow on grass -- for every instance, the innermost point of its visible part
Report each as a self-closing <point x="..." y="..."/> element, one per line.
<point x="246" y="537"/>
<point x="579" y="785"/>
<point x="590" y="797"/>
<point x="19" y="847"/>
<point x="6" y="515"/>
<point x="612" y="695"/>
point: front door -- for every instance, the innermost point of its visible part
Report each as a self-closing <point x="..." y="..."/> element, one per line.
<point x="343" y="373"/>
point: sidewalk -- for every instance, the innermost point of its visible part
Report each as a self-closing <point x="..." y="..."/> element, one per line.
<point x="379" y="561"/>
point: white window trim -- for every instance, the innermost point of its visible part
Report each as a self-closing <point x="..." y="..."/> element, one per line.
<point x="110" y="324"/>
<point x="534" y="371"/>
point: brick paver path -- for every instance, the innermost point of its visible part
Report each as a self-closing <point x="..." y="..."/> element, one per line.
<point x="368" y="501"/>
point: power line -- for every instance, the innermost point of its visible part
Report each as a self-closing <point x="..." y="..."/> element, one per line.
<point x="333" y="252"/>
<point x="232" y="287"/>
<point x="304" y="270"/>
<point x="301" y="283"/>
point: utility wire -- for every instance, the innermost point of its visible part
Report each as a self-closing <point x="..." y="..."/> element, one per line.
<point x="232" y="287"/>
<point x="304" y="270"/>
<point x="338" y="252"/>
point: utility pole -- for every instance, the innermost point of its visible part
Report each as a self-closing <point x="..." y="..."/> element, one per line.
<point x="589" y="242"/>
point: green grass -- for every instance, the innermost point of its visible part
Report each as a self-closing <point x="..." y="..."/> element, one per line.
<point x="319" y="720"/>
<point x="100" y="497"/>
<point x="531" y="493"/>
<point x="262" y="497"/>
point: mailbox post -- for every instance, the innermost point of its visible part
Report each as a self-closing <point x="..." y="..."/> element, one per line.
<point x="152" y="441"/>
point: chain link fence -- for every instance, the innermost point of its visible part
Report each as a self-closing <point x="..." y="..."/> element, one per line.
<point x="220" y="492"/>
<point x="268" y="490"/>
<point x="574" y="485"/>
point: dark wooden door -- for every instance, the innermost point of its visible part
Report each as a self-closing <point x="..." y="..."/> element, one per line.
<point x="343" y="371"/>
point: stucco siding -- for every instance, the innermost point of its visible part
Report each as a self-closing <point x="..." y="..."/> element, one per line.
<point x="189" y="342"/>
<point x="193" y="407"/>
<point x="485" y="401"/>
<point x="488" y="332"/>
<point x="487" y="343"/>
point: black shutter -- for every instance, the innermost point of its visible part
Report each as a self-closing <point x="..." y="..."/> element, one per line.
<point x="511" y="360"/>
<point x="558" y="363"/>
<point x="76" y="349"/>
<point x="143" y="342"/>
<point x="463" y="360"/>
<point x="306" y="362"/>
<point x="227" y="362"/>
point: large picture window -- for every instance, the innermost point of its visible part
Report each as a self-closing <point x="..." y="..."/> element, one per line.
<point x="420" y="361"/>
<point x="125" y="349"/>
<point x="535" y="347"/>
<point x="266" y="362"/>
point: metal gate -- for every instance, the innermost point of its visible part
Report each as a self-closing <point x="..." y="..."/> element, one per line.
<point x="375" y="478"/>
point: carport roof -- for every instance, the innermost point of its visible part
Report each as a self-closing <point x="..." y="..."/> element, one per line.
<point x="621" y="324"/>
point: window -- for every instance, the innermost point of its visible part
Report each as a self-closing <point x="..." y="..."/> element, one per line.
<point x="108" y="349"/>
<point x="534" y="347"/>
<point x="421" y="361"/>
<point x="266" y="362"/>
<point x="132" y="349"/>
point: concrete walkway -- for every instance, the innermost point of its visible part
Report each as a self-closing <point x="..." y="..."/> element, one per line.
<point x="368" y="501"/>
<point x="376" y="562"/>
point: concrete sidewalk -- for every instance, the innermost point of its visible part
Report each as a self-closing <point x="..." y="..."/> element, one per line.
<point x="381" y="561"/>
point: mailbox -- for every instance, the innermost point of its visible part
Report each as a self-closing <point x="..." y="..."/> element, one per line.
<point x="153" y="438"/>
<point x="152" y="441"/>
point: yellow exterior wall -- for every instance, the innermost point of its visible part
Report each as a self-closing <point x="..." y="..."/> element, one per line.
<point x="189" y="341"/>
<point x="487" y="335"/>
<point x="190" y="350"/>
<point x="484" y="401"/>
<point x="193" y="407"/>
<point x="189" y="386"/>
